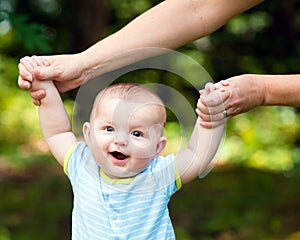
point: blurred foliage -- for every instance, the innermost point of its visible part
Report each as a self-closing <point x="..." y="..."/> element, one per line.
<point x="238" y="203"/>
<point x="17" y="115"/>
<point x="37" y="202"/>
<point x="253" y="141"/>
<point x="265" y="39"/>
<point x="241" y="46"/>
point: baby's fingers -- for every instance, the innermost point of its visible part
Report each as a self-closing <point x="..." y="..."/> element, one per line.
<point x="209" y="87"/>
<point x="37" y="95"/>
<point x="215" y="98"/>
<point x="210" y="125"/>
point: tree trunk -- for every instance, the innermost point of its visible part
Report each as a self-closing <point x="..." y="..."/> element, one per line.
<point x="89" y="22"/>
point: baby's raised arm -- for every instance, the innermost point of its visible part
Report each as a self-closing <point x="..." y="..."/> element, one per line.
<point x="202" y="147"/>
<point x="54" y="121"/>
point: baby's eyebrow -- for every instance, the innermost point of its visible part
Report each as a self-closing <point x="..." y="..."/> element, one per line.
<point x="135" y="125"/>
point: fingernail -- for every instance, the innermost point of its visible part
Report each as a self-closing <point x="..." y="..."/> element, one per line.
<point x="224" y="83"/>
<point x="222" y="89"/>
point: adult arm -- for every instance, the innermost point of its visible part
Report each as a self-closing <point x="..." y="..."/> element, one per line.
<point x="242" y="93"/>
<point x="169" y="25"/>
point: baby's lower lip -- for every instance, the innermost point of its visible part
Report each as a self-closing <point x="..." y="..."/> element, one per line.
<point x="119" y="162"/>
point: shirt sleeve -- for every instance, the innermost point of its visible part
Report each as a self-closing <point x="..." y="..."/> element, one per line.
<point x="167" y="174"/>
<point x="67" y="157"/>
<point x="75" y="159"/>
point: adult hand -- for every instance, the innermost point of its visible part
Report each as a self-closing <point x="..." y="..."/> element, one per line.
<point x="237" y="95"/>
<point x="67" y="71"/>
<point x="210" y="105"/>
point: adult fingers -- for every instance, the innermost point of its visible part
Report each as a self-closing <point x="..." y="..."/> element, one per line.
<point x="40" y="60"/>
<point x="214" y="107"/>
<point x="24" y="72"/>
<point x="224" y="114"/>
<point x="26" y="67"/>
<point x="24" y="84"/>
<point x="213" y="103"/>
<point x="28" y="63"/>
<point x="40" y="68"/>
<point x="43" y="72"/>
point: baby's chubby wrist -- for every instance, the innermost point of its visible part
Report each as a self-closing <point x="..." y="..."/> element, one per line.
<point x="44" y="85"/>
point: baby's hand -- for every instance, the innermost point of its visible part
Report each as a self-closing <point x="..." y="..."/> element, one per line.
<point x="39" y="87"/>
<point x="221" y="86"/>
<point x="41" y="84"/>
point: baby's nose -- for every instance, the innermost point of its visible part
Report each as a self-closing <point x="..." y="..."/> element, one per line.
<point x="121" y="139"/>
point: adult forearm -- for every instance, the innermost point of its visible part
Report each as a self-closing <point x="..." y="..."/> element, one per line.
<point x="170" y="25"/>
<point x="282" y="90"/>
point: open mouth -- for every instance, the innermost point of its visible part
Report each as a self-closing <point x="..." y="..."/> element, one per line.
<point x="118" y="155"/>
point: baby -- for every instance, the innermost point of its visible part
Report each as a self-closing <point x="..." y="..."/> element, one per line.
<point x="120" y="182"/>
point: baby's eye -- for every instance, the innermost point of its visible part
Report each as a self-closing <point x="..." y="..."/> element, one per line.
<point x="109" y="129"/>
<point x="137" y="134"/>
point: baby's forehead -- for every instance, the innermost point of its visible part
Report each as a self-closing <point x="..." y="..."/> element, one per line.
<point x="127" y="95"/>
<point x="130" y="105"/>
<point x="112" y="106"/>
<point x="134" y="94"/>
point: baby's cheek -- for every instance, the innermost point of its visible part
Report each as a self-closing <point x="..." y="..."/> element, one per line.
<point x="143" y="149"/>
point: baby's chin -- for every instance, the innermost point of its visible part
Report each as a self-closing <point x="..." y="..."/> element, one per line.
<point x="121" y="174"/>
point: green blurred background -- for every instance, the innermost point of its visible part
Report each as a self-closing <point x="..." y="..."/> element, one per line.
<point x="252" y="193"/>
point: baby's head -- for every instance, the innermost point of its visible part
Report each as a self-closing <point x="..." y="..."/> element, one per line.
<point x="125" y="131"/>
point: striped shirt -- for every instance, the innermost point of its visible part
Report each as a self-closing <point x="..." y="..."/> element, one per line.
<point x="132" y="208"/>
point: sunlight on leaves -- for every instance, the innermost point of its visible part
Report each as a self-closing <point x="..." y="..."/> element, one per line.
<point x="265" y="138"/>
<point x="245" y="23"/>
<point x="4" y="234"/>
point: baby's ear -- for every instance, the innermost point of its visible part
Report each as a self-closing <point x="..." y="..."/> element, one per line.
<point x="160" y="145"/>
<point x="86" y="129"/>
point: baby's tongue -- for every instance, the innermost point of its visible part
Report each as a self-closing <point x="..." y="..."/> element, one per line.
<point x="119" y="156"/>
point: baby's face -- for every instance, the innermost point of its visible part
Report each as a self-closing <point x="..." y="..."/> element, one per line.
<point x="125" y="136"/>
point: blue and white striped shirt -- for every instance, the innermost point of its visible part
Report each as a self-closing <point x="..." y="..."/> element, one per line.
<point x="133" y="208"/>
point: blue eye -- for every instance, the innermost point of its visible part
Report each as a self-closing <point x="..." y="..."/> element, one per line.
<point x="109" y="129"/>
<point x="137" y="134"/>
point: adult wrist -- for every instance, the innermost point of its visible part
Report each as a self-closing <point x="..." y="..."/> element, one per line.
<point x="85" y="67"/>
<point x="261" y="86"/>
<point x="258" y="85"/>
